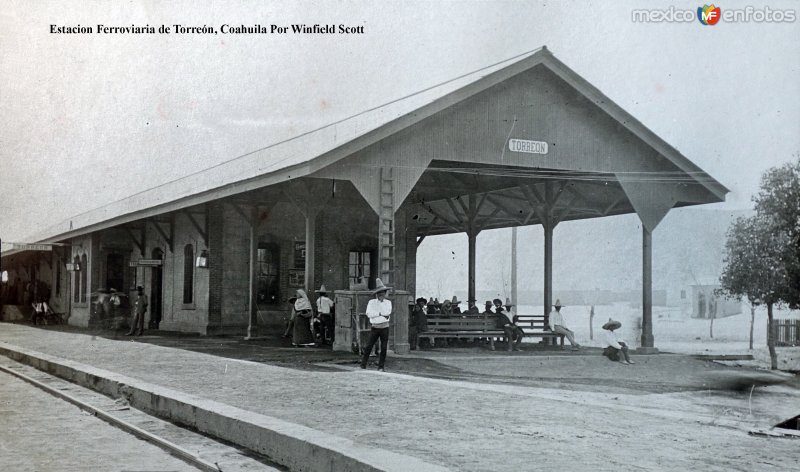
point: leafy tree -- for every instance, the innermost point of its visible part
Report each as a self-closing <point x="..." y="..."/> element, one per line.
<point x="754" y="268"/>
<point x="778" y="201"/>
<point x="762" y="260"/>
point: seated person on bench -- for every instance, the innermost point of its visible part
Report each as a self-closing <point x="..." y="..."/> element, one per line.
<point x="471" y="308"/>
<point x="507" y="326"/>
<point x="487" y="309"/>
<point x="447" y="308"/>
<point x="454" y="305"/>
<point x="556" y="322"/>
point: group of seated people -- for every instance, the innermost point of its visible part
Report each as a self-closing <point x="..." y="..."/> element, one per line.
<point x="448" y="307"/>
<point x="613" y="346"/>
<point x="496" y="308"/>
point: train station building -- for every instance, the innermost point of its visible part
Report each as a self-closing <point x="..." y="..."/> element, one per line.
<point x="524" y="142"/>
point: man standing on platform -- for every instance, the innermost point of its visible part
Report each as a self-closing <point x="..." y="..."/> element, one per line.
<point x="325" y="312"/>
<point x="378" y="311"/>
<point x="140" y="308"/>
<point x="556" y="322"/>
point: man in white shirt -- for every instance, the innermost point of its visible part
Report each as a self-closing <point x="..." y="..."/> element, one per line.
<point x="378" y="311"/>
<point x="556" y="322"/>
<point x="325" y="312"/>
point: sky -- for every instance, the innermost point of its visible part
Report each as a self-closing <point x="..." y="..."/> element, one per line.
<point x="91" y="118"/>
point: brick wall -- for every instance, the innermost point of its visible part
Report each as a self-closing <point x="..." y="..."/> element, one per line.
<point x="221" y="292"/>
<point x="177" y="315"/>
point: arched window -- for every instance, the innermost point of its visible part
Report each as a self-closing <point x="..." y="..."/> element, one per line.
<point x="84" y="277"/>
<point x="76" y="280"/>
<point x="188" y="273"/>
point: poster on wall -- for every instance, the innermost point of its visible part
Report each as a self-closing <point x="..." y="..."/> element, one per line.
<point x="300" y="254"/>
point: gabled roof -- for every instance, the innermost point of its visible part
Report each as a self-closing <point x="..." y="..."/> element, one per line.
<point x="314" y="150"/>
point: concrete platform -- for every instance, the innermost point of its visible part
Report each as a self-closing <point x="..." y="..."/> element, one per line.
<point x="462" y="410"/>
<point x="294" y="446"/>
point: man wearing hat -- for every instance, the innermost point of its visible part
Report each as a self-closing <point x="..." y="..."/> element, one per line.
<point x="613" y="345"/>
<point x="511" y="330"/>
<point x="556" y="322"/>
<point x="454" y="305"/>
<point x="487" y="308"/>
<point x="447" y="308"/>
<point x="378" y="311"/>
<point x="471" y="308"/>
<point x="325" y="309"/>
<point x="140" y="308"/>
<point x="431" y="308"/>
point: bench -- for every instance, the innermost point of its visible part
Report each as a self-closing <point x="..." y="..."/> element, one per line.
<point x="461" y="327"/>
<point x="534" y="326"/>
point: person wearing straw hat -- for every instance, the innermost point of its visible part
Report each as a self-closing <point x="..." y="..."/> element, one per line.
<point x="325" y="307"/>
<point x="454" y="305"/>
<point x="511" y="330"/>
<point x="556" y="322"/>
<point x="378" y="311"/>
<point x="613" y="345"/>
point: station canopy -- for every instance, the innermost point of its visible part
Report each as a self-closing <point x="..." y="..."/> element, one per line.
<point x="524" y="141"/>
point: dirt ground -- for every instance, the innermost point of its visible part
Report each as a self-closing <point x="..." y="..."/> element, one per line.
<point x="469" y="408"/>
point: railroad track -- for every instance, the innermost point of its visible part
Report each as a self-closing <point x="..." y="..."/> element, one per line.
<point x="178" y="442"/>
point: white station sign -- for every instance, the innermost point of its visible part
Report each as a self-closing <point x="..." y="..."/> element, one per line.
<point x="525" y="145"/>
<point x="32" y="247"/>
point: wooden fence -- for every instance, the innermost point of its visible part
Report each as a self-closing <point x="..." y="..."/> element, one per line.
<point x="787" y="332"/>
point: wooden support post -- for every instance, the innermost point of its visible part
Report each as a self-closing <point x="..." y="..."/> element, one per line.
<point x="647" y="292"/>
<point x="547" y="224"/>
<point x="138" y="242"/>
<point x="548" y="271"/>
<point x="472" y="208"/>
<point x="514" y="293"/>
<point x="251" y="304"/>
<point x="311" y="230"/>
<point x="202" y="229"/>
<point x="472" y="236"/>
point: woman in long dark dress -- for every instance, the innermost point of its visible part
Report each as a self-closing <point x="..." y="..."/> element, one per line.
<point x="301" y="333"/>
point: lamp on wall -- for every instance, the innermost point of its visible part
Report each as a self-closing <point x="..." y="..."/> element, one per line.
<point x="74" y="267"/>
<point x="202" y="259"/>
